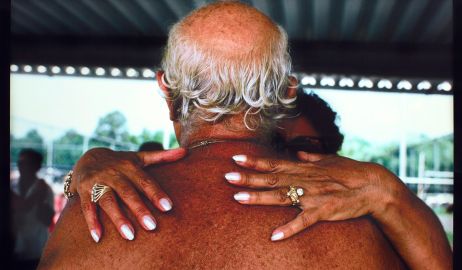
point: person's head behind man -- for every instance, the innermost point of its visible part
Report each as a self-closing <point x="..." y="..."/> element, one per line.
<point x="314" y="129"/>
<point x="224" y="59"/>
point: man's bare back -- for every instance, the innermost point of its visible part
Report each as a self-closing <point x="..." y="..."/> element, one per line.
<point x="207" y="229"/>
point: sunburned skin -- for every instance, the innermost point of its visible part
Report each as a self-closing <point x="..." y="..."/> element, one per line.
<point x="215" y="29"/>
<point x="207" y="229"/>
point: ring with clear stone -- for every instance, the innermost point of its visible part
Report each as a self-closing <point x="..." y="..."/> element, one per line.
<point x="294" y="194"/>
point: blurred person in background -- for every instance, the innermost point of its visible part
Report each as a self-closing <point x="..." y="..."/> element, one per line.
<point x="32" y="210"/>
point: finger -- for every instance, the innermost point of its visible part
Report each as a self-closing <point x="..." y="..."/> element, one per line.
<point x="154" y="157"/>
<point x="301" y="222"/>
<point x="311" y="157"/>
<point x="268" y="164"/>
<point x="91" y="217"/>
<point x="148" y="185"/>
<point x="109" y="204"/>
<point x="273" y="197"/>
<point x="131" y="198"/>
<point x="267" y="180"/>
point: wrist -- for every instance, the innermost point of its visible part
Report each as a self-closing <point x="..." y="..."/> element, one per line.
<point x="390" y="193"/>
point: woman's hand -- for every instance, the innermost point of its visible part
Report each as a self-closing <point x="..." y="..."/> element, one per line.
<point x="339" y="188"/>
<point x="123" y="172"/>
<point x="335" y="188"/>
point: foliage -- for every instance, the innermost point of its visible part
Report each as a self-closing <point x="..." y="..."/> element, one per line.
<point x="68" y="148"/>
<point x="112" y="128"/>
<point x="438" y="153"/>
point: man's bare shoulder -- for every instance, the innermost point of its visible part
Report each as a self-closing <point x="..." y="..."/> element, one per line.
<point x="68" y="241"/>
<point x="355" y="243"/>
<point x="208" y="229"/>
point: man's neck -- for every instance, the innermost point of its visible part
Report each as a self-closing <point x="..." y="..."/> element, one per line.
<point x="231" y="128"/>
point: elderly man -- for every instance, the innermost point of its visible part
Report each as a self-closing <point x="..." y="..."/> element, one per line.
<point x="226" y="68"/>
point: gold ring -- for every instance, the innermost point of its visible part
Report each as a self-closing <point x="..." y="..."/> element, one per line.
<point x="67" y="185"/>
<point x="294" y="194"/>
<point x="97" y="191"/>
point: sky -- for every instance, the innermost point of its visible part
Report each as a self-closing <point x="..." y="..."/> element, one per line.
<point x="54" y="104"/>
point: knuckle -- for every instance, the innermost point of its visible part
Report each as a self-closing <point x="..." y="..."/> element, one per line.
<point x="127" y="164"/>
<point x="107" y="200"/>
<point x="257" y="197"/>
<point x="281" y="195"/>
<point x="140" y="211"/>
<point x="251" y="163"/>
<point x="86" y="207"/>
<point x="85" y="179"/>
<point x="105" y="172"/>
<point x="153" y="193"/>
<point x="245" y="179"/>
<point x="272" y="180"/>
<point x="273" y="164"/>
<point x="145" y="183"/>
<point x="306" y="220"/>
<point x="291" y="230"/>
<point x="127" y="194"/>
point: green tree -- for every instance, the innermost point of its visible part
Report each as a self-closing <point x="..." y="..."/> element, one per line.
<point x="68" y="148"/>
<point x="113" y="126"/>
<point x="111" y="131"/>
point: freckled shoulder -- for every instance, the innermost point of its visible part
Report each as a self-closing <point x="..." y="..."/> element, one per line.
<point x="207" y="229"/>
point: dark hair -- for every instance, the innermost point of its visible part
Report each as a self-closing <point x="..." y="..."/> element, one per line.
<point x="323" y="118"/>
<point x="33" y="156"/>
<point x="151" y="146"/>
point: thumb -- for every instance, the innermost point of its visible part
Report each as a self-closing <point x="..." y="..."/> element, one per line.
<point x="154" y="157"/>
<point x="310" y="157"/>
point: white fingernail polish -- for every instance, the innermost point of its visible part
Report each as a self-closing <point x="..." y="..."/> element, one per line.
<point x="240" y="158"/>
<point x="233" y="176"/>
<point x="277" y="236"/>
<point x="94" y="235"/>
<point x="165" y="204"/>
<point x="242" y="196"/>
<point x="149" y="223"/>
<point x="127" y="232"/>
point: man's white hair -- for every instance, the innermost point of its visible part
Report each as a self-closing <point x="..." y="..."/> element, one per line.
<point x="211" y="87"/>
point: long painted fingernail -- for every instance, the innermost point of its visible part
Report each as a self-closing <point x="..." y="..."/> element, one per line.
<point x="94" y="235"/>
<point x="233" y="176"/>
<point x="277" y="236"/>
<point x="165" y="203"/>
<point x="240" y="158"/>
<point x="149" y="223"/>
<point x="242" y="196"/>
<point x="127" y="232"/>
